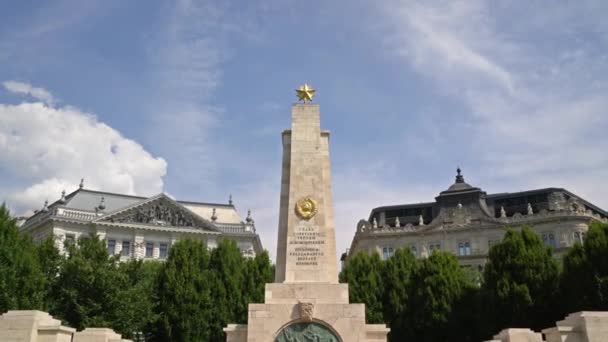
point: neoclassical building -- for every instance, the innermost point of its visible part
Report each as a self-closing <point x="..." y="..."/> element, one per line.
<point x="466" y="221"/>
<point x="140" y="227"/>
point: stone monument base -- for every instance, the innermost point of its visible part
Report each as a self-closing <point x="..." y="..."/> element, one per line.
<point x="324" y="308"/>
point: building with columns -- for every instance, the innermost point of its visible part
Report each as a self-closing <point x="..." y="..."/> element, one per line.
<point x="465" y="220"/>
<point x="140" y="227"/>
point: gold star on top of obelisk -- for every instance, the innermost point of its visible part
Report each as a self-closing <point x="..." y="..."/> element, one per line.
<point x="305" y="93"/>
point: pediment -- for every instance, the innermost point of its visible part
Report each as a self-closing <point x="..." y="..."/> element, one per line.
<point x="159" y="210"/>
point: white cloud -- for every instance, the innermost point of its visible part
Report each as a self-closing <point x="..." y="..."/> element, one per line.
<point x="53" y="147"/>
<point x="27" y="89"/>
<point x="186" y="59"/>
<point x="430" y="35"/>
<point x="534" y="88"/>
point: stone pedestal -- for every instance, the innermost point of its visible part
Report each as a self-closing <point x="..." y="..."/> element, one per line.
<point x="98" y="335"/>
<point x="38" y="326"/>
<point x="584" y="326"/>
<point x="517" y="335"/>
<point x="33" y="326"/>
<point x="324" y="304"/>
<point x="306" y="302"/>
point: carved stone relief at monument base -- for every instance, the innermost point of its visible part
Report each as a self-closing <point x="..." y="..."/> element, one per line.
<point x="306" y="311"/>
<point x="156" y="213"/>
<point x="306" y="332"/>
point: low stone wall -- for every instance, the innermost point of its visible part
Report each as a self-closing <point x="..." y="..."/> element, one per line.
<point x="584" y="326"/>
<point x="38" y="326"/>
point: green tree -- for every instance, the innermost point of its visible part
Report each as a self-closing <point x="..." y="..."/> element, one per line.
<point x="228" y="265"/>
<point x="596" y="251"/>
<point x="50" y="264"/>
<point x="584" y="281"/>
<point x="398" y="285"/>
<point x="363" y="273"/>
<point x="440" y="285"/>
<point x="258" y="272"/>
<point x="577" y="284"/>
<point x="21" y="279"/>
<point x="87" y="289"/>
<point x="521" y="282"/>
<point x="135" y="313"/>
<point x="186" y="290"/>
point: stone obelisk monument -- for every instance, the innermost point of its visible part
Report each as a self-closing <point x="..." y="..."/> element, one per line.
<point x="306" y="302"/>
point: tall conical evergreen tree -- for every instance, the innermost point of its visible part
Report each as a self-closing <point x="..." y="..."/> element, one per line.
<point x="228" y="265"/>
<point x="258" y="272"/>
<point x="186" y="293"/>
<point x="21" y="279"/>
<point x="50" y="264"/>
<point x="363" y="273"/>
<point x="135" y="311"/>
<point x="439" y="285"/>
<point x="398" y="285"/>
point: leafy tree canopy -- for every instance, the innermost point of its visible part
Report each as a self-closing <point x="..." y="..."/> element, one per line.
<point x="364" y="273"/>
<point x="521" y="281"/>
<point x="21" y="278"/>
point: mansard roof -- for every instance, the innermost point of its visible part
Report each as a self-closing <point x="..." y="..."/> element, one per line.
<point x="542" y="191"/>
<point x="85" y="199"/>
<point x="89" y="200"/>
<point x="460" y="187"/>
<point x="85" y="203"/>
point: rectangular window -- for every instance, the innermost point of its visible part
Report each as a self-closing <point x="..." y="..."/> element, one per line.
<point x="111" y="247"/>
<point x="387" y="252"/>
<point x="549" y="239"/>
<point x="434" y="247"/>
<point x="126" y="248"/>
<point x="414" y="250"/>
<point x="149" y="249"/>
<point x="70" y="239"/>
<point x="162" y="251"/>
<point x="464" y="248"/>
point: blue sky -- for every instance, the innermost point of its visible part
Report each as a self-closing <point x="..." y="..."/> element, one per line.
<point x="190" y="97"/>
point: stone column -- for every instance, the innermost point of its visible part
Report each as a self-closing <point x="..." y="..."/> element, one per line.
<point x="139" y="246"/>
<point x="156" y="250"/>
<point x="306" y="248"/>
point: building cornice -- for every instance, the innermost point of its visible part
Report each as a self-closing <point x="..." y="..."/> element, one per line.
<point x="501" y="223"/>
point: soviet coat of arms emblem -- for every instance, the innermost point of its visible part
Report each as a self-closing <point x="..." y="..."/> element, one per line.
<point x="306" y="208"/>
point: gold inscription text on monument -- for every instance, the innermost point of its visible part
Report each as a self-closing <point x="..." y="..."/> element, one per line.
<point x="305" y="245"/>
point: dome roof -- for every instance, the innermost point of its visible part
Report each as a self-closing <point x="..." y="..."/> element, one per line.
<point x="459" y="187"/>
<point x="459" y="184"/>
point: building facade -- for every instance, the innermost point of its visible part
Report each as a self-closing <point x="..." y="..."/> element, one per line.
<point x="466" y="221"/>
<point x="140" y="227"/>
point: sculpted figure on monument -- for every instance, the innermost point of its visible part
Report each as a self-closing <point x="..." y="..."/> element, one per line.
<point x="306" y="311"/>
